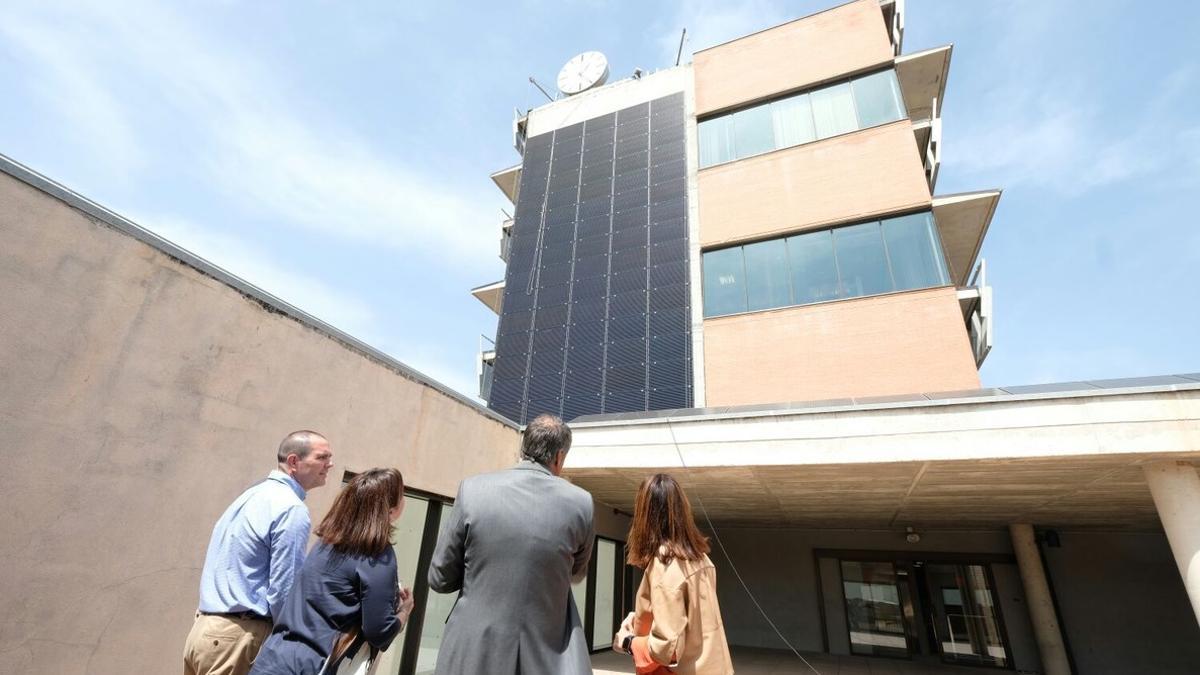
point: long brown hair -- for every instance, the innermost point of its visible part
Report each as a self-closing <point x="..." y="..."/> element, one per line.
<point x="662" y="525"/>
<point x="358" y="521"/>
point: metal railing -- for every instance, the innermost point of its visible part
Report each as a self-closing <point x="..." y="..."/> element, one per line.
<point x="485" y="365"/>
<point x="979" y="321"/>
<point x="933" y="148"/>
<point x="506" y="237"/>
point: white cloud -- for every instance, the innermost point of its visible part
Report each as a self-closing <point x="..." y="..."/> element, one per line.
<point x="1052" y="129"/>
<point x="253" y="142"/>
<point x="89" y="112"/>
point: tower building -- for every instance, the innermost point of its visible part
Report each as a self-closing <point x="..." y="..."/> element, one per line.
<point x="757" y="226"/>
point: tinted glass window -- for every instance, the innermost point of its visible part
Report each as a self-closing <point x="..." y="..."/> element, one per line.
<point x="861" y="260"/>
<point x="877" y="98"/>
<point x="914" y="251"/>
<point x="814" y="271"/>
<point x="752" y="131"/>
<point x="802" y="118"/>
<point x="716" y="140"/>
<point x="767" y="282"/>
<point x="724" y="282"/>
<point x="793" y="121"/>
<point x="833" y="110"/>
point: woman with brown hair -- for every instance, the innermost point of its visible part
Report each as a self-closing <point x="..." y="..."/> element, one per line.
<point x="348" y="580"/>
<point x="676" y="626"/>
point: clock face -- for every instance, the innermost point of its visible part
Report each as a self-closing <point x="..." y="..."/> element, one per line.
<point x="589" y="69"/>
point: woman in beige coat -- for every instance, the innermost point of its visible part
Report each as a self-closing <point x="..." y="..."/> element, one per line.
<point x="677" y="626"/>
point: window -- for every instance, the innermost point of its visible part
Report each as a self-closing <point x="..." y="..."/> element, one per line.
<point x="814" y="270"/>
<point x="895" y="254"/>
<point x="915" y="252"/>
<point x="724" y="282"/>
<point x="793" y="121"/>
<point x="767" y="275"/>
<point x="833" y="110"/>
<point x="752" y="131"/>
<point x="877" y="99"/>
<point x="716" y="141"/>
<point x="862" y="262"/>
<point x="859" y="103"/>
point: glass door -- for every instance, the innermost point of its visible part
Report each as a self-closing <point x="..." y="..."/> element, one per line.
<point x="874" y="611"/>
<point x="963" y="615"/>
<point x="607" y="598"/>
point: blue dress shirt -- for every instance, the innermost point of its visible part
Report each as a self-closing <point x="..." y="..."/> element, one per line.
<point x="256" y="549"/>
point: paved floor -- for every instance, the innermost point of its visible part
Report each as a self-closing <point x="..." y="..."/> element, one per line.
<point x="771" y="662"/>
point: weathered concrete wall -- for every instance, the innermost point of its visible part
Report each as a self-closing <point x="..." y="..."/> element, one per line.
<point x="139" y="397"/>
<point x="1122" y="604"/>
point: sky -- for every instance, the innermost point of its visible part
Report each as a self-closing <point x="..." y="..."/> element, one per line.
<point x="337" y="154"/>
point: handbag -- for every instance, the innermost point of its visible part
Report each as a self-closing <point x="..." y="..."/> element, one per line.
<point x="362" y="663"/>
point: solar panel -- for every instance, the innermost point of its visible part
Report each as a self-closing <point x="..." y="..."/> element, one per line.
<point x="596" y="314"/>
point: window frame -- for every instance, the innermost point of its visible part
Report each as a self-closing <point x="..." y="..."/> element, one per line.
<point x="807" y="91"/>
<point x="881" y="222"/>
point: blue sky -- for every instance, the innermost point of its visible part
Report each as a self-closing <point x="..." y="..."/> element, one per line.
<point x="337" y="154"/>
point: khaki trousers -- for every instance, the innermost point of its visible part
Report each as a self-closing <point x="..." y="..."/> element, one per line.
<point x="220" y="645"/>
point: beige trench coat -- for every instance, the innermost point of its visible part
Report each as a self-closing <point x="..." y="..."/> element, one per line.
<point x="677" y="611"/>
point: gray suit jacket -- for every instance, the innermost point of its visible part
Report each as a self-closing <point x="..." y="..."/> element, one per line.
<point x="515" y="542"/>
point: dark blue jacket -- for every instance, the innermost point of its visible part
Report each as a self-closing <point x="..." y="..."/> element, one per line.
<point x="333" y="592"/>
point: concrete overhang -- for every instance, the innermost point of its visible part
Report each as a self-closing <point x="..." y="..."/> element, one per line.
<point x="922" y="130"/>
<point x="491" y="295"/>
<point x="1061" y="455"/>
<point x="922" y="78"/>
<point x="509" y="181"/>
<point x="962" y="222"/>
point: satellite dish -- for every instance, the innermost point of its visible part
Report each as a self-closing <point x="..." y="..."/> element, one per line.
<point x="587" y="70"/>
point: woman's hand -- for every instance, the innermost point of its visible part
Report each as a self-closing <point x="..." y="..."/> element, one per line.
<point x="404" y="604"/>
<point x="625" y="631"/>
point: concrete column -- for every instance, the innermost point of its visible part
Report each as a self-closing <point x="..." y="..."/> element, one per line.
<point x="1037" y="596"/>
<point x="1175" y="487"/>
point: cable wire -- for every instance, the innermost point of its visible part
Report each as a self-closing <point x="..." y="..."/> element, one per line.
<point x="745" y="587"/>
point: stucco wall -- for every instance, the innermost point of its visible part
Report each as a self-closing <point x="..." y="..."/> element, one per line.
<point x="901" y="343"/>
<point x="139" y="397"/>
<point x="1122" y="604"/>
<point x="828" y="44"/>
<point x="855" y="176"/>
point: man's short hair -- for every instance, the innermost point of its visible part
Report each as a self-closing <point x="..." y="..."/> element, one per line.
<point x="545" y="436"/>
<point x="298" y="443"/>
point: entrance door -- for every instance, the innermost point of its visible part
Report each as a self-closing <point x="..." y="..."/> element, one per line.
<point x="963" y="616"/>
<point x="874" y="610"/>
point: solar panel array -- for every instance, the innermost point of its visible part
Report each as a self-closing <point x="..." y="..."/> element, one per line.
<point x="596" y="316"/>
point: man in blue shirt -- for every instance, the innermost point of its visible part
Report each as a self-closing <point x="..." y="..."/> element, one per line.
<point x="256" y="548"/>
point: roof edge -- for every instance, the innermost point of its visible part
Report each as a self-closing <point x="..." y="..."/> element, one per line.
<point x="986" y="395"/>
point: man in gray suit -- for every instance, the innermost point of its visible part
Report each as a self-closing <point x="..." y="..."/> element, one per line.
<point x="517" y="540"/>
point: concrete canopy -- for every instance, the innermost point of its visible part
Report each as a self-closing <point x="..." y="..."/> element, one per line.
<point x="509" y="181"/>
<point x="1058" y="458"/>
<point x="490" y="294"/>
<point x="922" y="78"/>
<point x="962" y="222"/>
